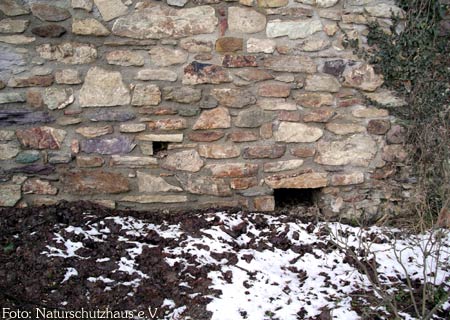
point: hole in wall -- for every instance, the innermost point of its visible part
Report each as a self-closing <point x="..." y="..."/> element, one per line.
<point x="160" y="148"/>
<point x="289" y="198"/>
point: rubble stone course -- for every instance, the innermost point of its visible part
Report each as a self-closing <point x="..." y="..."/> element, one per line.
<point x="152" y="104"/>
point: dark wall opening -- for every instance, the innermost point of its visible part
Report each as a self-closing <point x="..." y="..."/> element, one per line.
<point x="285" y="198"/>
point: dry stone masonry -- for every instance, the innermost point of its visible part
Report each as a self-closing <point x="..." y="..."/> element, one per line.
<point x="193" y="104"/>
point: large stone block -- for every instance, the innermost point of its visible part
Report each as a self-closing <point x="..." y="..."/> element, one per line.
<point x="103" y="88"/>
<point x="159" y="22"/>
<point x="94" y="182"/>
<point x="297" y="132"/>
<point x="357" y="150"/>
<point x="309" y="180"/>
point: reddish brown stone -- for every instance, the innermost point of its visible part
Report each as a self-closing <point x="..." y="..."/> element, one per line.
<point x="385" y="172"/>
<point x="319" y="115"/>
<point x="394" y="153"/>
<point x="347" y="102"/>
<point x="216" y="151"/>
<point x="167" y="124"/>
<point x="38" y="186"/>
<point x="266" y="130"/>
<point x="303" y="152"/>
<point x="217" y="118"/>
<point x="243" y="183"/>
<point x="41" y="137"/>
<point x="49" y="31"/>
<point x="34" y="98"/>
<point x="254" y="75"/>
<point x="314" y="99"/>
<point x="270" y="152"/>
<point x="203" y="56"/>
<point x="243" y="136"/>
<point x="85" y="182"/>
<point x="199" y="73"/>
<point x="89" y="161"/>
<point x="233" y="170"/>
<point x="229" y="44"/>
<point x="274" y="90"/>
<point x="33" y="81"/>
<point x="264" y="203"/>
<point x="158" y="111"/>
<point x="232" y="61"/>
<point x="293" y="116"/>
<point x="378" y="126"/>
<point x="205" y="136"/>
<point x="396" y="135"/>
<point x="345" y="179"/>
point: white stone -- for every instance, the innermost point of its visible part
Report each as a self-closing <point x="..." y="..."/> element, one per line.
<point x="111" y="9"/>
<point x="260" y="45"/>
<point x="297" y="132"/>
<point x="293" y="29"/>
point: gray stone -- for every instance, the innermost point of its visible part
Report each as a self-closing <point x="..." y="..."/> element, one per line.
<point x="48" y="12"/>
<point x="57" y="157"/>
<point x="158" y="22"/>
<point x="188" y="160"/>
<point x="13" y="8"/>
<point x="146" y="95"/>
<point x="385" y="98"/>
<point x="362" y="76"/>
<point x="297" y="132"/>
<point x="13" y="26"/>
<point x="116" y="145"/>
<point x="177" y="3"/>
<point x="10" y="194"/>
<point x="67" y="76"/>
<point x="157" y="74"/>
<point x="111" y="9"/>
<point x="182" y="94"/>
<point x="89" y="27"/>
<point x="94" y="132"/>
<point x="357" y="150"/>
<point x="283" y="165"/>
<point x="293" y="29"/>
<point x="322" y="82"/>
<point x="12" y="97"/>
<point x="298" y="181"/>
<point x="176" y="137"/>
<point x="7" y="135"/>
<point x="164" y="56"/>
<point x="253" y="118"/>
<point x="10" y="59"/>
<point x="20" y="117"/>
<point x="151" y="184"/>
<point x="58" y="98"/>
<point x="383" y="10"/>
<point x="291" y="64"/>
<point x="132" y="161"/>
<point x="83" y="4"/>
<point x="245" y="20"/>
<point x="326" y="3"/>
<point x="108" y="115"/>
<point x="17" y="39"/>
<point x="204" y="185"/>
<point x="155" y="199"/>
<point x="28" y="156"/>
<point x="233" y="98"/>
<point x="68" y="52"/>
<point x="125" y="58"/>
<point x="103" y="88"/>
<point x="8" y="150"/>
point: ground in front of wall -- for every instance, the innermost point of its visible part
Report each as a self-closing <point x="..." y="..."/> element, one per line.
<point x="202" y="265"/>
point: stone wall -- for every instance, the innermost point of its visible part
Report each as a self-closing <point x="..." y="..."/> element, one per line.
<point x="192" y="104"/>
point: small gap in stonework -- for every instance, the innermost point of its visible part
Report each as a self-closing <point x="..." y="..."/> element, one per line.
<point x="294" y="197"/>
<point x="160" y="148"/>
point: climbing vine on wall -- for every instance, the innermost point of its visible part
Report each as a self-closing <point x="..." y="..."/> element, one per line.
<point x="414" y="58"/>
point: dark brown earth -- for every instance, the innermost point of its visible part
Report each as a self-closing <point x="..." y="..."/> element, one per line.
<point x="30" y="279"/>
